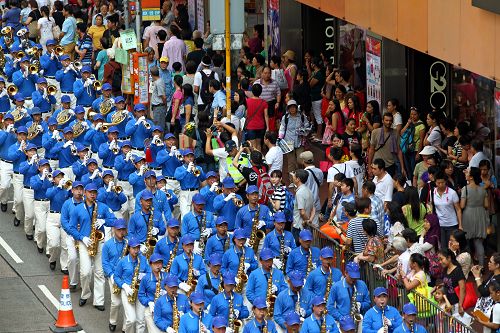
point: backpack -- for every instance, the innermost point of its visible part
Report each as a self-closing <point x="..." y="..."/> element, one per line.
<point x="205" y="94"/>
<point x="289" y="202"/>
<point x="407" y="144"/>
<point x="115" y="70"/>
<point x="435" y="268"/>
<point x="264" y="184"/>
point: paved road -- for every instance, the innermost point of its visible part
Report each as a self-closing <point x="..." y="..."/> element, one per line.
<point x="29" y="290"/>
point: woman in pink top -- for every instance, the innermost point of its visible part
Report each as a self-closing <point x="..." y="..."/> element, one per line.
<point x="290" y="68"/>
<point x="175" y="122"/>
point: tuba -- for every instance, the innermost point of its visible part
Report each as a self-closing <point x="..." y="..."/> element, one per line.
<point x="106" y="106"/>
<point x="33" y="131"/>
<point x="135" y="282"/>
<point x="118" y="117"/>
<point x="116" y="289"/>
<point x="241" y="275"/>
<point x="63" y="117"/>
<point x="257" y="235"/>
<point x="96" y="235"/>
<point x="78" y="129"/>
<point x="150" y="239"/>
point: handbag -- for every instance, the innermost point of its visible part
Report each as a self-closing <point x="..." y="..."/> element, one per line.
<point x="33" y="29"/>
<point x="470" y="295"/>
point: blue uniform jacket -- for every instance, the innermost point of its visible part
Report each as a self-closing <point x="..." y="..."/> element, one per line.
<point x="231" y="260"/>
<point x="209" y="197"/>
<point x="272" y="241"/>
<point x="95" y="139"/>
<point x="138" y="225"/>
<point x="163" y="310"/>
<point x="226" y="209"/>
<point x="138" y="133"/>
<point x="313" y="325"/>
<point x="16" y="156"/>
<point x="192" y="223"/>
<point x="57" y="197"/>
<point x="40" y="186"/>
<point x="82" y="216"/>
<point x="160" y="204"/>
<point x="5" y="105"/>
<point x="372" y="320"/>
<point x="66" y="158"/>
<point x="220" y="305"/>
<point x="66" y="212"/>
<point x="147" y="288"/>
<point x="188" y="180"/>
<point x="286" y="303"/>
<point x="81" y="137"/>
<point x="244" y="218"/>
<point x="203" y="286"/>
<point x="6" y="141"/>
<point x="86" y="180"/>
<point x="137" y="182"/>
<point x="217" y="244"/>
<point x="190" y="321"/>
<point x="339" y="300"/>
<point x="45" y="104"/>
<point x="48" y="143"/>
<point x="113" y="200"/>
<point x="164" y="247"/>
<point x="181" y="263"/>
<point x="417" y="328"/>
<point x="28" y="170"/>
<point x="316" y="280"/>
<point x="124" y="168"/>
<point x="111" y="252"/>
<point x="66" y="80"/>
<point x="49" y="66"/>
<point x="167" y="162"/>
<point x="82" y="95"/>
<point x="297" y="259"/>
<point x="257" y="283"/>
<point x="124" y="270"/>
<point x="121" y="126"/>
<point x="37" y="140"/>
<point x="107" y="156"/>
<point x="255" y="327"/>
<point x="79" y="169"/>
<point x="25" y="85"/>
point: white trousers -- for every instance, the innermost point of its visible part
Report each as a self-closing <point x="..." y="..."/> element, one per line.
<point x="72" y="262"/>
<point x="150" y="322"/>
<point x="5" y="180"/>
<point x="54" y="164"/>
<point x="29" y="210"/>
<point x="126" y="209"/>
<point x="138" y="152"/>
<point x="41" y="209"/>
<point x="56" y="240"/>
<point x="68" y="173"/>
<point x="134" y="315"/>
<point x="17" y="182"/>
<point x="173" y="185"/>
<point x="89" y="265"/>
<point x="116" y="301"/>
<point x="185" y="200"/>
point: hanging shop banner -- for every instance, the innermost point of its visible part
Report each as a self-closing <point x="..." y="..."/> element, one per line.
<point x="200" y="15"/>
<point x="141" y="78"/>
<point x="132" y="7"/>
<point x="273" y="26"/>
<point x="127" y="71"/>
<point x="373" y="69"/>
<point x="150" y="10"/>
<point x="128" y="39"/>
<point x="191" y="6"/>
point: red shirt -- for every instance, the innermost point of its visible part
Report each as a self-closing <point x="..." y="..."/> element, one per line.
<point x="255" y="114"/>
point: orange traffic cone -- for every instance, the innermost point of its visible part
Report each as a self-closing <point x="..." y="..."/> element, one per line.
<point x="65" y="319"/>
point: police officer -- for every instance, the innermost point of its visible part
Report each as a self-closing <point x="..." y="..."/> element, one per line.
<point x="190" y="178"/>
<point x="109" y="150"/>
<point x="83" y="89"/>
<point x="181" y="263"/>
<point x="66" y="76"/>
<point x="17" y="155"/>
<point x="244" y="217"/>
<point x="80" y="121"/>
<point x="317" y="280"/>
<point x="170" y="245"/>
<point x="25" y="81"/>
<point x="80" y="228"/>
<point x="8" y="138"/>
<point x="280" y="239"/>
<point x="40" y="183"/>
<point x="163" y="314"/>
<point x="381" y="317"/>
<point x="259" y="322"/>
<point x="298" y="257"/>
<point x="106" y="95"/>
<point x="319" y="318"/>
<point x="141" y="220"/>
<point x="113" y="250"/>
<point x="219" y="242"/>
<point x="195" y="320"/>
<point x="57" y="194"/>
<point x="210" y="284"/>
<point x="220" y="303"/>
<point x="139" y="129"/>
<point x="295" y="296"/>
<point x="198" y="223"/>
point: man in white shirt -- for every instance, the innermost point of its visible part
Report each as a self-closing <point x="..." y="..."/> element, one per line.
<point x="315" y="178"/>
<point x="150" y="36"/>
<point x="274" y="156"/>
<point x="476" y="147"/>
<point x="202" y="81"/>
<point x="383" y="180"/>
<point x="336" y="168"/>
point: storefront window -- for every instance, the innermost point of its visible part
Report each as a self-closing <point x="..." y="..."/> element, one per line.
<point x="352" y="54"/>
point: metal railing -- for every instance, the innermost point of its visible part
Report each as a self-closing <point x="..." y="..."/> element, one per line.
<point x="430" y="314"/>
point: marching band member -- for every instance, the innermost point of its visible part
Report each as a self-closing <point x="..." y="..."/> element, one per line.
<point x="50" y="64"/>
<point x="41" y="98"/>
<point x="210" y="283"/>
<point x="8" y="138"/>
<point x="83" y="88"/>
<point x="94" y="136"/>
<point x="66" y="152"/>
<point x="4" y="98"/>
<point x="12" y="63"/>
<point x="129" y="271"/>
<point x="40" y="128"/>
<point x="109" y="194"/>
<point x="220" y="303"/>
<point x="294" y="298"/>
<point x="136" y="179"/>
<point x="169" y="161"/>
<point x="209" y="190"/>
<point x="170" y="245"/>
<point x="220" y="242"/>
<point x="258" y="280"/>
<point x="150" y="290"/>
<point x="94" y="174"/>
<point x="342" y="293"/>
<point x="120" y="108"/>
<point x="66" y="107"/>
<point x="47" y="143"/>
<point x="58" y="193"/>
<point x="124" y="166"/>
<point x="347" y="325"/>
<point x="156" y="145"/>
<point x="246" y="214"/>
<point x="164" y="306"/>
<point x="139" y="129"/>
<point x="160" y="202"/>
<point x="139" y="223"/>
<point x="277" y="237"/>
<point x="29" y="168"/>
<point x="25" y="81"/>
<point x="183" y="262"/>
<point x="19" y="103"/>
<point x="219" y="325"/>
<point x="161" y="184"/>
<point x="198" y="223"/>
<point x="40" y="183"/>
<point x="259" y="322"/>
<point x="319" y="318"/>
<point x="298" y="258"/>
<point x="195" y="320"/>
<point x="16" y="154"/>
<point x="224" y="204"/>
<point x="190" y="177"/>
<point x="381" y="317"/>
<point x="80" y="166"/>
<point x="113" y="250"/>
<point x="231" y="258"/>
<point x="84" y="221"/>
<point x="109" y="150"/>
<point x="106" y="95"/>
<point x="66" y="76"/>
<point x="292" y="322"/>
<point x="67" y="211"/>
<point x="80" y="121"/>
<point x="409" y="317"/>
<point x="317" y="280"/>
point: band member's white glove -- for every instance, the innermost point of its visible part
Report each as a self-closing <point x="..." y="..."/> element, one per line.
<point x="236" y="313"/>
<point x="288" y="249"/>
<point x="196" y="272"/>
<point x="71" y="112"/>
<point x="206" y="233"/>
<point x="32" y="159"/>
<point x="172" y="151"/>
<point x="151" y="306"/>
<point x="247" y="266"/>
<point x="94" y="174"/>
<point x="142" y="169"/>
<point x="155" y="231"/>
<point x="126" y="288"/>
<point x="141" y="276"/>
<point x="98" y="126"/>
<point x="45" y="173"/>
<point x="3" y="92"/>
<point x="86" y="241"/>
<point x="100" y="223"/>
<point x="10" y="128"/>
<point x="143" y="248"/>
<point x="358" y="305"/>
<point x="197" y="249"/>
<point x="171" y="330"/>
<point x="277" y="263"/>
<point x="184" y="287"/>
<point x="85" y="124"/>
<point x="229" y="330"/>
<point x="247" y="242"/>
<point x="230" y="196"/>
<point x="67" y="144"/>
<point x="302" y="312"/>
<point x="87" y="83"/>
<point x="213" y="187"/>
<point x="190" y="166"/>
<point x="112" y="145"/>
<point x="261" y="224"/>
<point x="140" y="120"/>
<point x="39" y="128"/>
<point x="55" y="134"/>
<point x="128" y="156"/>
<point x="52" y="55"/>
<point x="274" y="289"/>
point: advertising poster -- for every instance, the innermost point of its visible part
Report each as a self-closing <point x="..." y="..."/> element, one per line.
<point x="141" y="78"/>
<point x="150" y="10"/>
<point x="200" y="15"/>
<point x="373" y="68"/>
<point x="273" y="21"/>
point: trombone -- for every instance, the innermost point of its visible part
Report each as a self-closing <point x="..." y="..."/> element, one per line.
<point x="105" y="126"/>
<point x="20" y="55"/>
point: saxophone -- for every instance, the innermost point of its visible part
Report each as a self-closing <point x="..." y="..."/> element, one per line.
<point x="270" y="297"/>
<point x="241" y="275"/>
<point x="175" y="314"/>
<point x="203" y="225"/>
<point x="173" y="254"/>
<point x="412" y="328"/>
<point x="135" y="282"/>
<point x="282" y="253"/>
<point x="150" y="239"/>
<point x="96" y="235"/>
<point x="116" y="289"/>
<point x="309" y="262"/>
<point x="158" y="287"/>
<point x="354" y="312"/>
<point x="191" y="280"/>
<point x="257" y="234"/>
<point x="234" y="323"/>
<point x="322" y="328"/>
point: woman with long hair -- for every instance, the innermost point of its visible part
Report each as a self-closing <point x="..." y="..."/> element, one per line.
<point x="336" y="124"/>
<point x="45" y="25"/>
<point x="187" y="107"/>
<point x="393" y="107"/>
<point x="415" y="145"/>
<point x="355" y="112"/>
<point x="453" y="277"/>
<point x="239" y="105"/>
<point x="397" y="220"/>
<point x="460" y="247"/>
<point x="485" y="303"/>
<point x="31" y="23"/>
<point x="417" y="278"/>
<point x="433" y="136"/>
<point x="370" y="119"/>
<point x="415" y="210"/>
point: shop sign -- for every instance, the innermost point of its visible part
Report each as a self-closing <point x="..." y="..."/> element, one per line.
<point x="150" y="10"/>
<point x="373" y="69"/>
<point x="438" y="84"/>
<point x="329" y="35"/>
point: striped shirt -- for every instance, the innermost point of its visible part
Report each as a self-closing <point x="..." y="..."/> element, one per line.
<point x="270" y="91"/>
<point x="85" y="43"/>
<point x="279" y="194"/>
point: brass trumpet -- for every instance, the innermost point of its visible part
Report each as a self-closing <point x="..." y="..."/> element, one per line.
<point x="105" y="127"/>
<point x="59" y="50"/>
<point x="157" y="141"/>
<point x="33" y="69"/>
<point x="238" y="203"/>
<point x="50" y="177"/>
<point x="20" y="55"/>
<point x="12" y="89"/>
<point x="77" y="65"/>
<point x="51" y="90"/>
<point x="117" y="189"/>
<point x="196" y="172"/>
<point x="115" y="150"/>
<point x="97" y="85"/>
<point x="22" y="32"/>
<point x="147" y="125"/>
<point x="32" y="51"/>
<point x="6" y="30"/>
<point x="68" y="184"/>
<point x="91" y="115"/>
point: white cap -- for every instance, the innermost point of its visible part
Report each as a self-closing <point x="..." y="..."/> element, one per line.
<point x="291" y="102"/>
<point x="428" y="150"/>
